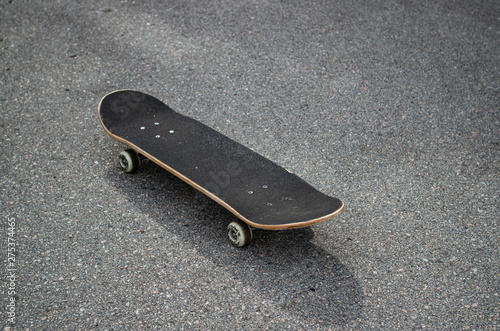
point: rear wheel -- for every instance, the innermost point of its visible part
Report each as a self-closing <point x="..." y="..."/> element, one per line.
<point x="239" y="233"/>
<point x="129" y="160"/>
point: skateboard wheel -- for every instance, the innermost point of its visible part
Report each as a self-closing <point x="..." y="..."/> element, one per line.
<point x="239" y="233"/>
<point x="129" y="160"/>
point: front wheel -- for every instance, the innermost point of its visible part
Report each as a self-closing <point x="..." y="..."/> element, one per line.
<point x="239" y="233"/>
<point x="129" y="160"/>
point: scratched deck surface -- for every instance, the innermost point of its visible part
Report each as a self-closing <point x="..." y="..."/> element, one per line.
<point x="252" y="187"/>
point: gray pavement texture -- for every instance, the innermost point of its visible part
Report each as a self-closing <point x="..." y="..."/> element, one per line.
<point x="391" y="106"/>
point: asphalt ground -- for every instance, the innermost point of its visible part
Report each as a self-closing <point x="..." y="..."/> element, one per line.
<point x="391" y="106"/>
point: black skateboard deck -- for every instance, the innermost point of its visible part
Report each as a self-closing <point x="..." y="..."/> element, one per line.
<point x="255" y="189"/>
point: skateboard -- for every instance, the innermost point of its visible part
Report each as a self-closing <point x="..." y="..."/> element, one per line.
<point x="260" y="193"/>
